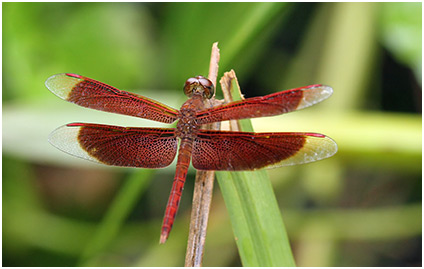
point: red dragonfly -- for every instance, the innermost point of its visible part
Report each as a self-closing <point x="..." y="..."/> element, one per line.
<point x="208" y="150"/>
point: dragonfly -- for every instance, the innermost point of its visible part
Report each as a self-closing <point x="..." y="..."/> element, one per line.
<point x="206" y="149"/>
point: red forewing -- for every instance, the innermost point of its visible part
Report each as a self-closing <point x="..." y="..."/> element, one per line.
<point x="93" y="94"/>
<point x="268" y="105"/>
<point x="233" y="151"/>
<point x="114" y="145"/>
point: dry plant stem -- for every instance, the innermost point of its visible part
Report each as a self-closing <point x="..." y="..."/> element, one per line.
<point x="226" y="82"/>
<point x="203" y="188"/>
<point x="213" y="65"/>
<point x="202" y="197"/>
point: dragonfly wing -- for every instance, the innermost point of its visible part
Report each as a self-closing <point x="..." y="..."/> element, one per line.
<point x="268" y="105"/>
<point x="234" y="151"/>
<point x="119" y="146"/>
<point x="93" y="94"/>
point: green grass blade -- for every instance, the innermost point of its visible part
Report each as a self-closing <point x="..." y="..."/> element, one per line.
<point x="247" y="29"/>
<point x="257" y="223"/>
<point x="258" y="227"/>
<point x="117" y="213"/>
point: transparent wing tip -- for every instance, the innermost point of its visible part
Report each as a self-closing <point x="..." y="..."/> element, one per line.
<point x="314" y="95"/>
<point x="62" y="84"/>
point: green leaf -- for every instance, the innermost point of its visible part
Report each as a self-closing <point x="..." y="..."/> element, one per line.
<point x="401" y="33"/>
<point x="257" y="223"/>
<point x="191" y="28"/>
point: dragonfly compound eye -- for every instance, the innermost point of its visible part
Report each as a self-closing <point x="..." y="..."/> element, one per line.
<point x="199" y="84"/>
<point x="189" y="85"/>
<point x="209" y="89"/>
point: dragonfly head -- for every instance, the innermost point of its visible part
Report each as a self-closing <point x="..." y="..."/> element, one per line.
<point x="199" y="85"/>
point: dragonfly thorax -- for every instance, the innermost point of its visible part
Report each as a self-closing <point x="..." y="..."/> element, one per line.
<point x="187" y="124"/>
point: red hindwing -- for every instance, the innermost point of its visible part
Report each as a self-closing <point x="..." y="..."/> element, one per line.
<point x="119" y="146"/>
<point x="234" y="151"/>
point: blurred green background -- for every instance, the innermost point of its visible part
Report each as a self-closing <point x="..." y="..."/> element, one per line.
<point x="361" y="207"/>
